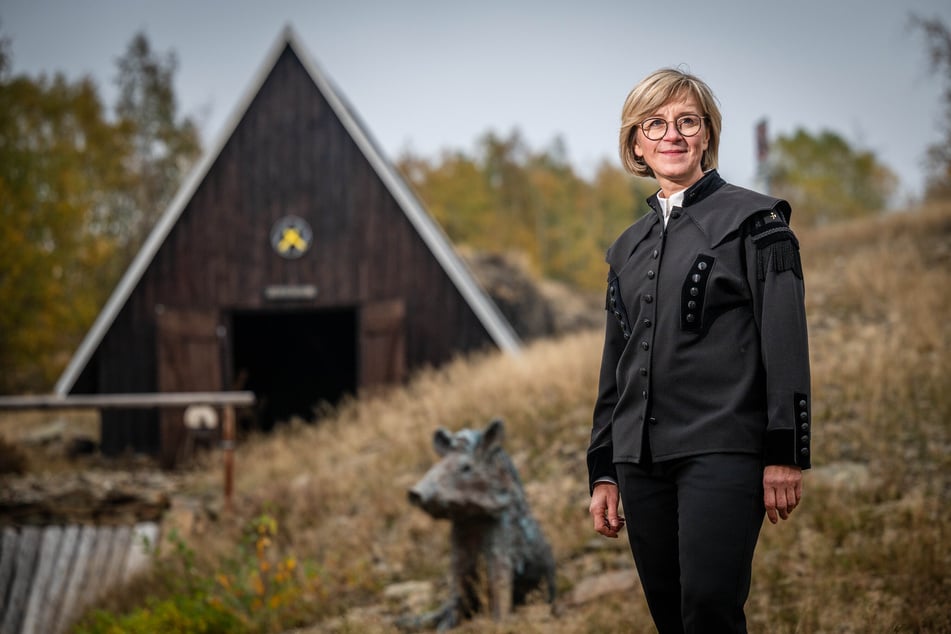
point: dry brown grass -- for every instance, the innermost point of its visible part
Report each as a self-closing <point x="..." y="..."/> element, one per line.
<point x="42" y="437"/>
<point x="873" y="541"/>
<point x="339" y="488"/>
<point x="867" y="552"/>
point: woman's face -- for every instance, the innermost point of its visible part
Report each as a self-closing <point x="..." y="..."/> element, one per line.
<point x="674" y="159"/>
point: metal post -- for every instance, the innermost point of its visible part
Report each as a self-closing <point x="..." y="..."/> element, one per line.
<point x="227" y="446"/>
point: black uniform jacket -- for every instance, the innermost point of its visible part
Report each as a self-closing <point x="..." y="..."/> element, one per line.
<point x="705" y="346"/>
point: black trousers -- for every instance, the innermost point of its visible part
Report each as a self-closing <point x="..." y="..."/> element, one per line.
<point x="693" y="524"/>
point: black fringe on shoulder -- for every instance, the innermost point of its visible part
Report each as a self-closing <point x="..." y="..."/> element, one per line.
<point x="782" y="255"/>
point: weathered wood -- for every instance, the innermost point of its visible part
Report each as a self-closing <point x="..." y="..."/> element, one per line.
<point x="73" y="591"/>
<point x="50" y="574"/>
<point x="27" y="550"/>
<point x="9" y="539"/>
<point x="189" y="358"/>
<point x="62" y="571"/>
<point x="121" y="540"/>
<point x="126" y="401"/>
<point x="382" y="343"/>
<point x="40" y="601"/>
<point x="96" y="571"/>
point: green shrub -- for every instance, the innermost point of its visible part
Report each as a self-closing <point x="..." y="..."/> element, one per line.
<point x="260" y="585"/>
<point x="196" y="614"/>
<point x="259" y="590"/>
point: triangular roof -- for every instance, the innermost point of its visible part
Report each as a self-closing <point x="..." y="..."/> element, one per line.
<point x="484" y="308"/>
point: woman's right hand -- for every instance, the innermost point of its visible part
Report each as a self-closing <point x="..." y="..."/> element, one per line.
<point x="603" y="509"/>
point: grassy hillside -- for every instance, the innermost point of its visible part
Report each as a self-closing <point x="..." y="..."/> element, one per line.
<point x="868" y="551"/>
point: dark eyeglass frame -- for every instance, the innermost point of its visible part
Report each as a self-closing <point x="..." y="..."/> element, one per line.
<point x="678" y="123"/>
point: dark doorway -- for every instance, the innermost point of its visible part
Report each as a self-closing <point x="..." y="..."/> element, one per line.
<point x="293" y="361"/>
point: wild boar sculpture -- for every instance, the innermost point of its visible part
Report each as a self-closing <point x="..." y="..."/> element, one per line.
<point x="476" y="487"/>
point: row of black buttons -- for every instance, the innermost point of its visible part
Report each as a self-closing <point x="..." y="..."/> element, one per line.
<point x="693" y="293"/>
<point x="648" y="298"/>
<point x="617" y="307"/>
<point x="802" y="408"/>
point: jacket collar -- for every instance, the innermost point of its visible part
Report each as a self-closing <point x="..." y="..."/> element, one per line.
<point x="708" y="183"/>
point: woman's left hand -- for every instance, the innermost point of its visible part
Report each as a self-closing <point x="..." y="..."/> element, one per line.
<point x="782" y="491"/>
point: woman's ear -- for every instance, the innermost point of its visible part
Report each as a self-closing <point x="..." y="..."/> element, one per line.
<point x="638" y="152"/>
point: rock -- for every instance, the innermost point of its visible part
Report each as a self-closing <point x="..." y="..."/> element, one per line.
<point x="591" y="588"/>
<point x="844" y="476"/>
<point x="536" y="309"/>
<point x="89" y="497"/>
<point x="410" y="596"/>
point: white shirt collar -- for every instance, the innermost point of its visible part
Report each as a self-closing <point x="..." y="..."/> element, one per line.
<point x="676" y="200"/>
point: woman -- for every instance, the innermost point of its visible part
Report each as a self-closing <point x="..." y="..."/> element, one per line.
<point x="702" y="420"/>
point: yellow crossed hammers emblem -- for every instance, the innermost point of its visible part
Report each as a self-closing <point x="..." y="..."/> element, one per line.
<point x="291" y="237"/>
<point x="291" y="240"/>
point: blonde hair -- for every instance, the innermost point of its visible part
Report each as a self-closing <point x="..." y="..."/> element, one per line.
<point x="653" y="92"/>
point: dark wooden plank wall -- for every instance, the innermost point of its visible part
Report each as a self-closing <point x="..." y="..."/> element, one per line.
<point x="290" y="155"/>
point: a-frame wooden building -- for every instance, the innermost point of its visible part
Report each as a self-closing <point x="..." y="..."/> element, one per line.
<point x="295" y="262"/>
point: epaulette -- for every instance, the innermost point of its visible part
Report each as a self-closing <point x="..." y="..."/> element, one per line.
<point x="776" y="245"/>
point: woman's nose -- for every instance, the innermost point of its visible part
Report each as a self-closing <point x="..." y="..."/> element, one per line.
<point x="672" y="133"/>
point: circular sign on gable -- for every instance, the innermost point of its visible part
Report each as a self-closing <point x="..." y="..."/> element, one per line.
<point x="291" y="236"/>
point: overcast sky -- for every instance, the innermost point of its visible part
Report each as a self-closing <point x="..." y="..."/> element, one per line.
<point x="429" y="75"/>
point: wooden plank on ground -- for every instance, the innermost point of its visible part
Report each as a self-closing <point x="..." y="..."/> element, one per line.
<point x="39" y="602"/>
<point x="117" y="554"/>
<point x="62" y="569"/>
<point x="96" y="571"/>
<point x="26" y="555"/>
<point x="8" y="552"/>
<point x="73" y="590"/>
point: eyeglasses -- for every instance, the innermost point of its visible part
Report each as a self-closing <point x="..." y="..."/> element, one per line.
<point x="655" y="128"/>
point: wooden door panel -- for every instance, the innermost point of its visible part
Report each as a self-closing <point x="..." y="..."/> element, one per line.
<point x="189" y="360"/>
<point x="382" y="343"/>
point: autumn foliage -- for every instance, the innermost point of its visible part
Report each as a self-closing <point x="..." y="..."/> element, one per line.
<point x="80" y="186"/>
